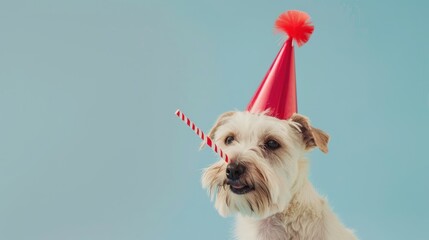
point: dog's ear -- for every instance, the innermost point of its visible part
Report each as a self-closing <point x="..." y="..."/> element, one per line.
<point x="311" y="136"/>
<point x="219" y="122"/>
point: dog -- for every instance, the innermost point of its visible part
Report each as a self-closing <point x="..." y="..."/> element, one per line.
<point x="265" y="183"/>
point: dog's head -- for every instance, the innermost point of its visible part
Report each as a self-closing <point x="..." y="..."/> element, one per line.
<point x="264" y="153"/>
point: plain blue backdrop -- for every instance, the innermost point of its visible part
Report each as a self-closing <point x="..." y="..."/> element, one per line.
<point x="90" y="148"/>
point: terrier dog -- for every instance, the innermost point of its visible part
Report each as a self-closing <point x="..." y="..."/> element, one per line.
<point x="265" y="183"/>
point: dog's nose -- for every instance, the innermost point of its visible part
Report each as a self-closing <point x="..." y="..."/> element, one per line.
<point x="234" y="171"/>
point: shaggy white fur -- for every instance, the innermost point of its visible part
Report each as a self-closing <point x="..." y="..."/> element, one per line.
<point x="308" y="217"/>
<point x="272" y="196"/>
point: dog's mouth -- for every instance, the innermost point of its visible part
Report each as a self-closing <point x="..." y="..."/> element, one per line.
<point x="240" y="188"/>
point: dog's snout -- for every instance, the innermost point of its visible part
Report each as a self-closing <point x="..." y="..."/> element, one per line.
<point x="234" y="171"/>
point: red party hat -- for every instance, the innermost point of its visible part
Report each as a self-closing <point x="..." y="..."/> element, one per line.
<point x="277" y="92"/>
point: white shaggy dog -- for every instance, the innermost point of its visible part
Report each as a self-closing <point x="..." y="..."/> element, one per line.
<point x="265" y="184"/>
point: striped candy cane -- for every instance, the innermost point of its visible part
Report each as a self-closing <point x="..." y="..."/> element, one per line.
<point x="200" y="133"/>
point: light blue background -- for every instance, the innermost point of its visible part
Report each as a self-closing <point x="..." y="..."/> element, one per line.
<point x="90" y="148"/>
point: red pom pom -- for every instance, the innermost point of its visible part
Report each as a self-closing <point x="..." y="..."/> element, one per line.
<point x="296" y="25"/>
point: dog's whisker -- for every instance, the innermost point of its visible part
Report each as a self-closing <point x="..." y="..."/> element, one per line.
<point x="250" y="206"/>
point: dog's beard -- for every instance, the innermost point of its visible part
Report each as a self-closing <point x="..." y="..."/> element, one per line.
<point x="269" y="194"/>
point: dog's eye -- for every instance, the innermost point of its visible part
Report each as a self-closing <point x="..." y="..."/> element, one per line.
<point x="229" y="140"/>
<point x="272" y="145"/>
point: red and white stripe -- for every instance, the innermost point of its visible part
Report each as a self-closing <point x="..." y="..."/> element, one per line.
<point x="200" y="133"/>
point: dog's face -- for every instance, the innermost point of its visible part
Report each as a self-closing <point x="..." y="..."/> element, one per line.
<point x="264" y="153"/>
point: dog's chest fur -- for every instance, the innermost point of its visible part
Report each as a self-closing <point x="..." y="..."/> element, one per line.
<point x="296" y="223"/>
